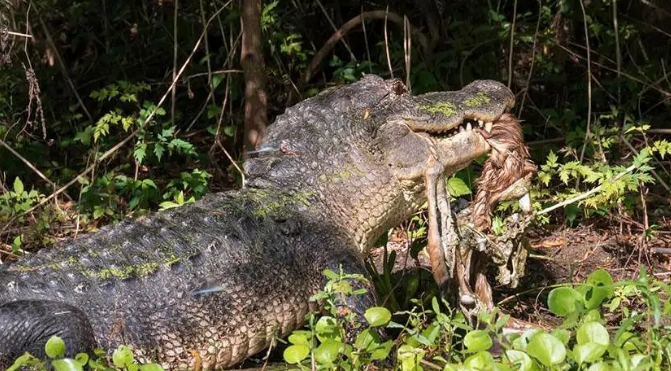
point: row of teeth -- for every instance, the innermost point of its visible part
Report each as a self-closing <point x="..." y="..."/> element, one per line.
<point x="468" y="126"/>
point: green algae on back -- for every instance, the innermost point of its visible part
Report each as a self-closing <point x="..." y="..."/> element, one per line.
<point x="446" y="108"/>
<point x="480" y="99"/>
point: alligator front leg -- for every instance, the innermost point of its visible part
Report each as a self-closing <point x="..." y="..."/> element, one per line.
<point x="26" y="325"/>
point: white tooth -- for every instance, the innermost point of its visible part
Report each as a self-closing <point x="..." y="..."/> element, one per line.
<point x="469" y="126"/>
<point x="480" y="123"/>
<point x="461" y="129"/>
<point x="488" y="127"/>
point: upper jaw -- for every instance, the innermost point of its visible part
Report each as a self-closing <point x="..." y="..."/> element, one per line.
<point x="479" y="103"/>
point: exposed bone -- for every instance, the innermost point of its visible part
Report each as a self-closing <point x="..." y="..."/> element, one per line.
<point x="432" y="174"/>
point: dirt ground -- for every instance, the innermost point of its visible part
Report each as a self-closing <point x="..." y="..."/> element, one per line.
<point x="563" y="255"/>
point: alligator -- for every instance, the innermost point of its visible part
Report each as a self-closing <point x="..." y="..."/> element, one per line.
<point x="209" y="284"/>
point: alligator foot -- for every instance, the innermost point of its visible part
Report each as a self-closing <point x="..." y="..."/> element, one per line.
<point x="26" y="325"/>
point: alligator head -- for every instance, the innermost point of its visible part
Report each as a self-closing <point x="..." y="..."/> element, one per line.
<point x="363" y="148"/>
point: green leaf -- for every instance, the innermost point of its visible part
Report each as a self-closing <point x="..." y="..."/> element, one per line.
<point x="296" y="353"/>
<point x="151" y="367"/>
<point x="600" y="284"/>
<point x="520" y="360"/>
<point x="563" y="335"/>
<point x="140" y="152"/>
<point x="230" y="130"/>
<point x="546" y="349"/>
<point x="457" y="187"/>
<point x="328" y="351"/>
<point x="66" y="364"/>
<point x="158" y="151"/>
<point x="55" y="347"/>
<point x="588" y="352"/>
<point x="563" y="301"/>
<point x="377" y="316"/>
<point x="327" y="328"/>
<point x="169" y="132"/>
<point x="477" y="341"/>
<point x="593" y="332"/>
<point x="480" y="361"/>
<point x="122" y="357"/>
<point x="147" y="183"/>
<point x="300" y="337"/>
<point x="216" y="80"/>
<point x="168" y="205"/>
<point x="82" y="358"/>
<point x="601" y="366"/>
<point x="18" y="186"/>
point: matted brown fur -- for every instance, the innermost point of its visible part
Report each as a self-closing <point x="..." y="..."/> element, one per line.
<point x="508" y="162"/>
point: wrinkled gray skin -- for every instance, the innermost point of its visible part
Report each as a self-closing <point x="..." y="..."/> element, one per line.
<point x="222" y="277"/>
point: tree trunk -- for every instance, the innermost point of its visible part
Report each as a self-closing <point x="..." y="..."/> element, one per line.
<point x="251" y="58"/>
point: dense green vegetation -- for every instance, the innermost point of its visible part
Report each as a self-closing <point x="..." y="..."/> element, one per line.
<point x="91" y="133"/>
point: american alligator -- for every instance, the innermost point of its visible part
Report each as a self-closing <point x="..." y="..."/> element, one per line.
<point x="215" y="281"/>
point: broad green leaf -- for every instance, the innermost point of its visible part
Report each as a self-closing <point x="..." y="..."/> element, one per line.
<point x="82" y="358"/>
<point x="480" y="361"/>
<point x="563" y="301"/>
<point x="328" y="351"/>
<point x="521" y="360"/>
<point x="377" y="316"/>
<point x="588" y="352"/>
<point x="300" y="337"/>
<point x="563" y="335"/>
<point x="66" y="364"/>
<point x="547" y="349"/>
<point x="296" y="353"/>
<point x="601" y="366"/>
<point x="593" y="332"/>
<point x="55" y="347"/>
<point x="122" y="357"/>
<point x="18" y="186"/>
<point x="477" y="341"/>
<point x="151" y="367"/>
<point x="327" y="328"/>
